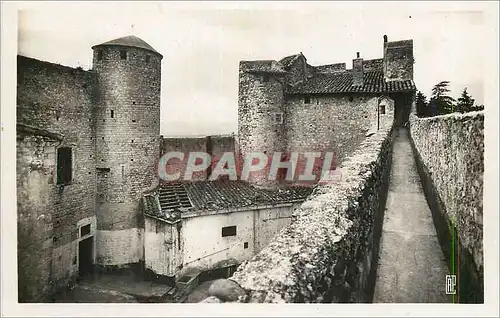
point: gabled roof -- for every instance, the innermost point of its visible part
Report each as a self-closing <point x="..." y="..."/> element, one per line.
<point x="331" y="83"/>
<point x="178" y="197"/>
<point x="130" y="41"/>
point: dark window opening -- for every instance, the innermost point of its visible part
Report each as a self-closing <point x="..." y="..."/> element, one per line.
<point x="133" y="120"/>
<point x="382" y="109"/>
<point x="123" y="54"/>
<point x="351" y="98"/>
<point x="307" y="99"/>
<point x="84" y="230"/>
<point x="99" y="55"/>
<point x="245" y="245"/>
<point x="133" y="103"/>
<point x="229" y="231"/>
<point x="132" y="140"/>
<point x="147" y="58"/>
<point x="131" y="159"/>
<point x="64" y="165"/>
<point x="112" y="114"/>
<point x="278" y="118"/>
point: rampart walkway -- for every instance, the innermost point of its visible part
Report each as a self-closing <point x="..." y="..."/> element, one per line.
<point x="412" y="267"/>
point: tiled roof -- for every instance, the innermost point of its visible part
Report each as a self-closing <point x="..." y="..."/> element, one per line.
<point x="131" y="41"/>
<point x="179" y="197"/>
<point x="373" y="82"/>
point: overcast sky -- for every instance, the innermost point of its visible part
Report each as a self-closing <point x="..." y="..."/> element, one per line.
<point x="202" y="44"/>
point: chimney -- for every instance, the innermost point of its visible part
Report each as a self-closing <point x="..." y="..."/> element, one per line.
<point x="385" y="38"/>
<point x="357" y="71"/>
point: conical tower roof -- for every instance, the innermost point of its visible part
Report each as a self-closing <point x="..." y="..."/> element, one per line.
<point x="130" y="41"/>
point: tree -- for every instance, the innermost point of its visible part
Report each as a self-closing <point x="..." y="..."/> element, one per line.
<point x="440" y="102"/>
<point x="465" y="102"/>
<point x="421" y="104"/>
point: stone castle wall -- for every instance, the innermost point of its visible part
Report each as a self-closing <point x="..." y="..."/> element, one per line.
<point x="328" y="252"/>
<point x="60" y="100"/>
<point x="450" y="155"/>
<point x="215" y="145"/>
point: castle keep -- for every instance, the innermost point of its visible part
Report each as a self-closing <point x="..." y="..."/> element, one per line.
<point x="289" y="105"/>
<point x="88" y="145"/>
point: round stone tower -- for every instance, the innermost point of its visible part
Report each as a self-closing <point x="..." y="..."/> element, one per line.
<point x="261" y="116"/>
<point x="127" y="132"/>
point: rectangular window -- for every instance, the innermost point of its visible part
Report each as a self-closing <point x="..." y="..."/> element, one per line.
<point x="84" y="230"/>
<point x="99" y="55"/>
<point x="64" y="165"/>
<point x="278" y="118"/>
<point x="229" y="231"/>
<point x="123" y="54"/>
<point x="112" y="114"/>
<point x="245" y="245"/>
<point x="382" y="109"/>
<point x="147" y="58"/>
<point x="307" y="99"/>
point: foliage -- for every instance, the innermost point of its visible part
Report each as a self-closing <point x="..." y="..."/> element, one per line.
<point x="441" y="103"/>
<point x="465" y="102"/>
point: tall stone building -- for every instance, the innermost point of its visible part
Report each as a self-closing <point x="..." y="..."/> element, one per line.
<point x="88" y="146"/>
<point x="290" y="106"/>
<point x="127" y="130"/>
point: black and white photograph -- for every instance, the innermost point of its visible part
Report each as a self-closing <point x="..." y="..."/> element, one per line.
<point x="181" y="154"/>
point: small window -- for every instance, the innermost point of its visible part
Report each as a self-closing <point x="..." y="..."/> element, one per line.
<point x="278" y="118"/>
<point x="84" y="230"/>
<point x="99" y="55"/>
<point x="148" y="58"/>
<point x="382" y="109"/>
<point x="133" y="120"/>
<point x="245" y="245"/>
<point x="112" y="114"/>
<point x="229" y="231"/>
<point x="307" y="99"/>
<point x="123" y="54"/>
<point x="64" y="165"/>
<point x="265" y="78"/>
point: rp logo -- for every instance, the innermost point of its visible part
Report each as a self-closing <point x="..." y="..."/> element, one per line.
<point x="451" y="282"/>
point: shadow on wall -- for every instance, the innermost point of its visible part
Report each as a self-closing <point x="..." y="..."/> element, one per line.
<point x="449" y="152"/>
